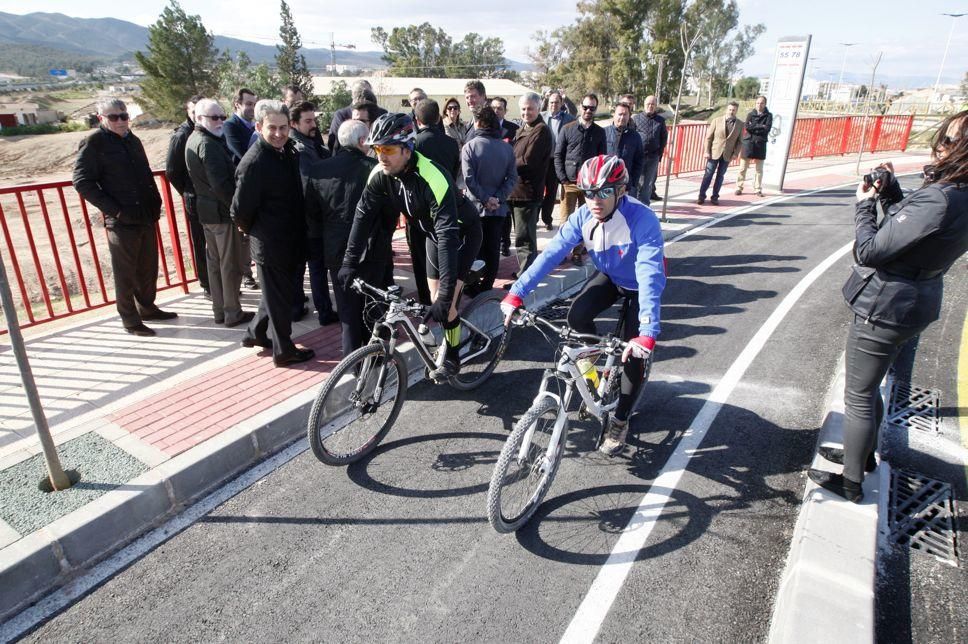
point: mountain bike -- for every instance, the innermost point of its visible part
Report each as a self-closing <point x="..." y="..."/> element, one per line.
<point x="361" y="399"/>
<point x="533" y="451"/>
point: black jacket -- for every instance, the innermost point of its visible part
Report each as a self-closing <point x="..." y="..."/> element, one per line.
<point x="653" y="131"/>
<point x="211" y="170"/>
<point x="112" y="172"/>
<point x="339" y="116"/>
<point x="175" y="168"/>
<point x="758" y="128"/>
<point x="237" y="135"/>
<point x="311" y="151"/>
<point x="333" y="188"/>
<point x="268" y="204"/>
<point x="425" y="194"/>
<point x="576" y="145"/>
<point x="898" y="280"/>
<point x="433" y="143"/>
<point x="510" y="130"/>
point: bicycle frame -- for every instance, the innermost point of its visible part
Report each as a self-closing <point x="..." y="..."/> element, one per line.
<point x="567" y="371"/>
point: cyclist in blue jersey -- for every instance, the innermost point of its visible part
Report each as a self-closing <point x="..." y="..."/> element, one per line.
<point x="624" y="241"/>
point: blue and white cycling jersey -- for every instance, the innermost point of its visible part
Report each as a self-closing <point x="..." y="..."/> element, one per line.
<point x="627" y="247"/>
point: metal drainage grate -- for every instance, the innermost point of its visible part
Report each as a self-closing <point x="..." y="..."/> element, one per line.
<point x="921" y="515"/>
<point x="914" y="407"/>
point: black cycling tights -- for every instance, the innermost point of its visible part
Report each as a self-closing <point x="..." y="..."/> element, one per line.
<point x="599" y="294"/>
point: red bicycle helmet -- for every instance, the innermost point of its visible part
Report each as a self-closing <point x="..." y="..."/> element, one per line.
<point x="602" y="171"/>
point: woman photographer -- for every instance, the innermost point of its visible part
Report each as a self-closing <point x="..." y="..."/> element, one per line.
<point x="895" y="288"/>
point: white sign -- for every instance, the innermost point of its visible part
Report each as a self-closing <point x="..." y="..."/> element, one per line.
<point x="786" y="85"/>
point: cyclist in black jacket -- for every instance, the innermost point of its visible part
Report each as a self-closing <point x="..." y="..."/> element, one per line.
<point x="407" y="182"/>
<point x="895" y="288"/>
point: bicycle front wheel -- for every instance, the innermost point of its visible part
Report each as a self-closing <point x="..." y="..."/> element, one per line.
<point x="483" y="341"/>
<point x="524" y="471"/>
<point x="357" y="405"/>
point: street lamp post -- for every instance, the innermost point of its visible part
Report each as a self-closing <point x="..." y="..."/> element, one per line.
<point x="843" y="65"/>
<point x="944" y="58"/>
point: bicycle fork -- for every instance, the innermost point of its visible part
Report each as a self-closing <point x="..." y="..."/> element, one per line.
<point x="561" y="419"/>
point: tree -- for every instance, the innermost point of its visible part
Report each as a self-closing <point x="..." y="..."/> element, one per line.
<point x="326" y="104"/>
<point x="479" y="57"/>
<point x="747" y="87"/>
<point x="180" y="61"/>
<point x="424" y="50"/>
<point x="239" y="72"/>
<point x="722" y="46"/>
<point x="292" y="64"/>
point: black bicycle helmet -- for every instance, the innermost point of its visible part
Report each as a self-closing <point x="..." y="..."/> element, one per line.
<point x="392" y="129"/>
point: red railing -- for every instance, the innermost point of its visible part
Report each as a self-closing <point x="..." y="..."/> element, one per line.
<point x="61" y="266"/>
<point x="58" y="252"/>
<point x="812" y="137"/>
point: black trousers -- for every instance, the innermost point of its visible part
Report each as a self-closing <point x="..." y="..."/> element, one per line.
<point x="197" y="233"/>
<point x="273" y="320"/>
<point x="599" y="294"/>
<point x="506" y="233"/>
<point x="525" y="215"/>
<point x="417" y="241"/>
<point x="550" y="195"/>
<point x="492" y="229"/>
<point x="871" y="349"/>
<point x="134" y="263"/>
<point x="350" y="305"/>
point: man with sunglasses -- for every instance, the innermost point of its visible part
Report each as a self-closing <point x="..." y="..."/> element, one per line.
<point x="407" y="182"/>
<point x="624" y="241"/>
<point x="112" y="172"/>
<point x="577" y="142"/>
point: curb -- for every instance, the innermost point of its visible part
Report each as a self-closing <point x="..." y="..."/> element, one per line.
<point x="58" y="553"/>
<point x="826" y="591"/>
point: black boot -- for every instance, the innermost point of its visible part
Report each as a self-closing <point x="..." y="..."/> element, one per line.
<point x="837" y="484"/>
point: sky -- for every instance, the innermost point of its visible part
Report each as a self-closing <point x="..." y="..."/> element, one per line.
<point x="912" y="42"/>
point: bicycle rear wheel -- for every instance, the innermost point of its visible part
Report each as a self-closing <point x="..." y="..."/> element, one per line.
<point x="519" y="484"/>
<point x="357" y="405"/>
<point x="483" y="341"/>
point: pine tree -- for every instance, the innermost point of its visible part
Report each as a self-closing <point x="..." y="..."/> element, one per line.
<point x="180" y="61"/>
<point x="292" y="65"/>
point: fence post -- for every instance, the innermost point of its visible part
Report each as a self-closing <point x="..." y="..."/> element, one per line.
<point x="679" y="143"/>
<point x="813" y="138"/>
<point x="875" y="137"/>
<point x="848" y="122"/>
<point x="907" y="132"/>
<point x="173" y="231"/>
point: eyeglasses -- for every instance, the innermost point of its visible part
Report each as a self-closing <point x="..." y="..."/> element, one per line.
<point x="589" y="108"/>
<point x="387" y="150"/>
<point x="600" y="195"/>
<point x="215" y="117"/>
<point x="452" y="108"/>
<point x="114" y="117"/>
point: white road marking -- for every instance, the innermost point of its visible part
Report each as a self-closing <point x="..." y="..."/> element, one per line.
<point x="594" y="608"/>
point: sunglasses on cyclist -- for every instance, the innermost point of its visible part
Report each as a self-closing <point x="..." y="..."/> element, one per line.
<point x="215" y="117"/>
<point x="114" y="117"/>
<point x="387" y="150"/>
<point x="601" y="195"/>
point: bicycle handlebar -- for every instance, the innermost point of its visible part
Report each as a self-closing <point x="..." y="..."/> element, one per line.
<point x="527" y="318"/>
<point x="362" y="287"/>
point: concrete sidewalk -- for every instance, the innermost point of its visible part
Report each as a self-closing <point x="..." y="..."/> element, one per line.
<point x="153" y="424"/>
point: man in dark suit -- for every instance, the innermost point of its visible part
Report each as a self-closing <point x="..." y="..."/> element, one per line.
<point x="238" y="131"/>
<point x="556" y="118"/>
<point x="112" y="172"/>
<point x="179" y="178"/>
<point x="268" y="206"/>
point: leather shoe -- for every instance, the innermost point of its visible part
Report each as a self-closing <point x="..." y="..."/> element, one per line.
<point x="714" y="201"/>
<point x="700" y="201"/>
<point x="141" y="330"/>
<point x="328" y="318"/>
<point x="300" y="314"/>
<point x="244" y="318"/>
<point x="256" y="342"/>
<point x="836" y="455"/>
<point x="250" y="283"/>
<point x="294" y="357"/>
<point x="739" y="191"/>
<point x="837" y="484"/>
<point x="159" y="315"/>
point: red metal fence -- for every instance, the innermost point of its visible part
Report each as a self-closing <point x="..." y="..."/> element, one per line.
<point x="56" y="249"/>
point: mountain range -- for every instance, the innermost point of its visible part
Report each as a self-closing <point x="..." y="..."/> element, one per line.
<point x="55" y="38"/>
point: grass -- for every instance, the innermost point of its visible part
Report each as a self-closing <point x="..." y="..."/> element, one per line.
<point x="47" y="128"/>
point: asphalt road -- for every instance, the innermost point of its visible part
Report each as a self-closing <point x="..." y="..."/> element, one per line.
<point x="397" y="547"/>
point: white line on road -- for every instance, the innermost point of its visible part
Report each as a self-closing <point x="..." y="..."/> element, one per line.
<point x="594" y="608"/>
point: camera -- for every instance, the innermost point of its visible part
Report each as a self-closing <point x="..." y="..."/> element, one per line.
<point x="877" y="174"/>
